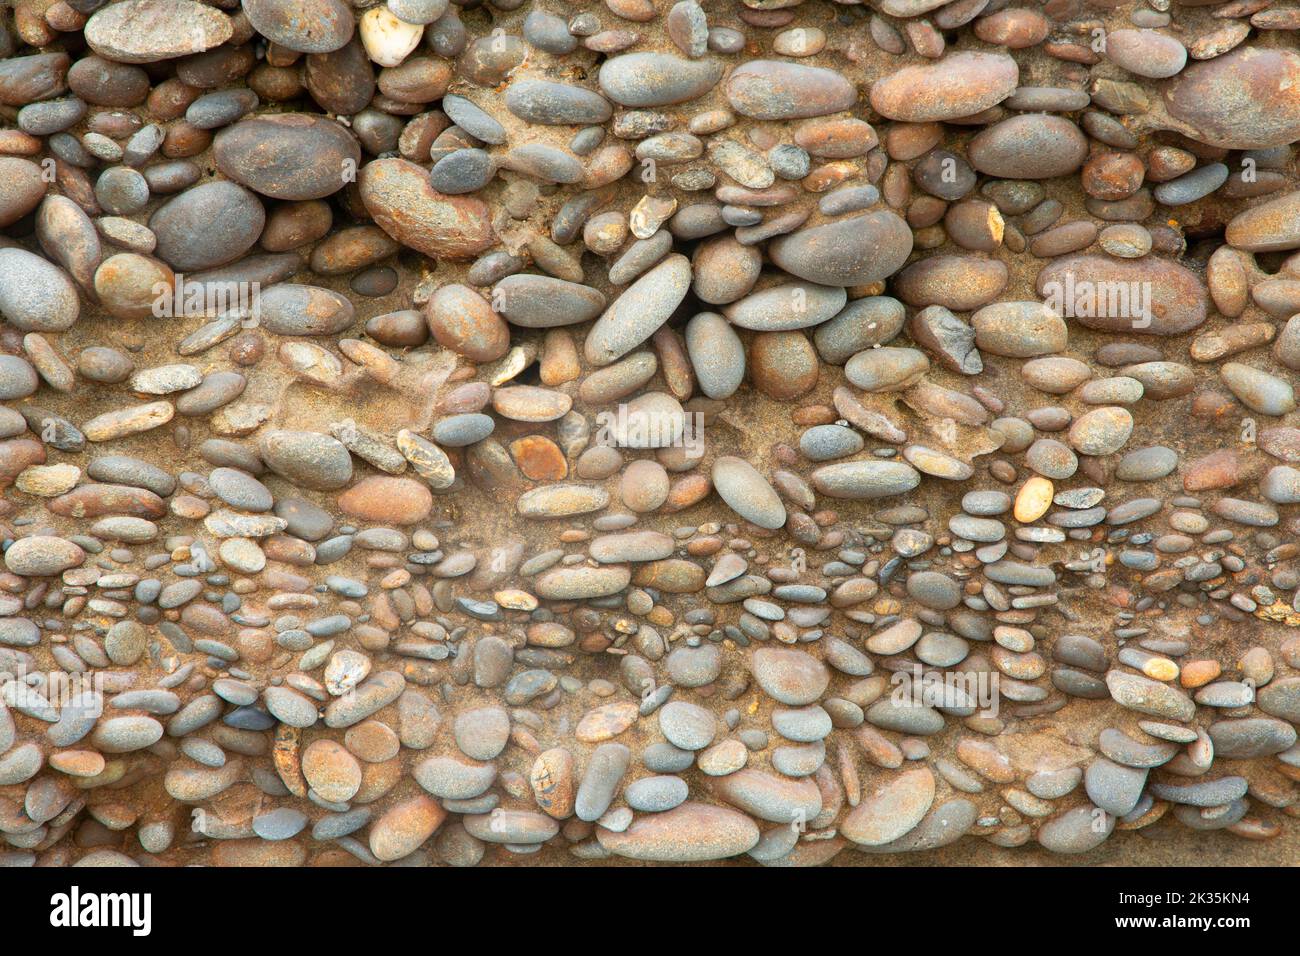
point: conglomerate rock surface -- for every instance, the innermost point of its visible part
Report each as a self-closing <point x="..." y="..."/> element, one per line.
<point x="536" y="432"/>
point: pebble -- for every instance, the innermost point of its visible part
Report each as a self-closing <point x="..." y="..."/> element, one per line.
<point x="35" y="295"/>
<point x="207" y="225"/>
<point x="954" y="86"/>
<point x="266" y="154"/>
<point x="146" y="31"/>
<point x="690" y="833"/>
<point x="895" y="808"/>
<point x="747" y="492"/>
<point x="636" y="314"/>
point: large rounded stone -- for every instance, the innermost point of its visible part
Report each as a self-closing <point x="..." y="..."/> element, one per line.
<point x="690" y="833"/>
<point x="639" y="312"/>
<point x="35" y="294"/>
<point x="656" y="79"/>
<point x="146" y="31"/>
<point x="1248" y="98"/>
<point x="293" y="156"/>
<point x="307" y="459"/>
<point x="207" y="225"/>
<point x="305" y="26"/>
<point x="790" y="676"/>
<point x="958" y="85"/>
<point x="857" y="250"/>
<point x="402" y="201"/>
<point x="42" y="555"/>
<point x="781" y="90"/>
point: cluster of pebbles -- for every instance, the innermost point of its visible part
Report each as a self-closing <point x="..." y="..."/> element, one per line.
<point x="968" y="331"/>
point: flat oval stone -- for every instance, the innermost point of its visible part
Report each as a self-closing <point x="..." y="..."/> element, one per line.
<point x="556" y="104"/>
<point x="687" y="726"/>
<point x="530" y="403"/>
<point x="481" y="733"/>
<point x="1248" y="98"/>
<point x="862" y="324"/>
<point x="725" y="270"/>
<point x="1147" y="696"/>
<point x="605" y="770"/>
<point x="747" y="492"/>
<point x="1146" y="53"/>
<point x="656" y="79"/>
<point x="17" y="377"/>
<point x="865" y="479"/>
<point x="1029" y="146"/>
<point x="562" y="501"/>
<point x="690" y="833"/>
<point x="857" y="250"/>
<point x="293" y="156"/>
<point x="308" y="459"/>
<point x="304" y="26"/>
<point x="118" y="735"/>
<point x="511" y="826"/>
<point x="1251" y="737"/>
<point x="291" y="309"/>
<point x="1112" y="787"/>
<point x="35" y="294"/>
<point x="1202" y="793"/>
<point x="770" y="796"/>
<point x="457" y="431"/>
<point x="886" y="369"/>
<point x="780" y="90"/>
<point x="22" y="188"/>
<point x="893" y="810"/>
<point x="385" y="500"/>
<point x="638" y="313"/>
<point x="805" y="725"/>
<point x="632" y="546"/>
<point x="463" y="171"/>
<point x="19" y="632"/>
<point x="1147" y="464"/>
<point x="717" y="354"/>
<point x="1075" y="831"/>
<point x="29" y="79"/>
<point x="790" y="676"/>
<point x="606" y="721"/>
<point x="290" y="707"/>
<point x="656" y="794"/>
<point x="146" y="31"/>
<point x="575" y="584"/>
<point x="462" y="320"/>
<point x="544" y="302"/>
<point x="827" y="442"/>
<point x="42" y="555"/>
<point x="1281" y="698"/>
<point x="454" y="777"/>
<point x="1269" y="227"/>
<point x="1102" y="431"/>
<point x="404" y="827"/>
<point x="1019" y="329"/>
<point x="207" y="225"/>
<point x="957" y="85"/>
<point x="783" y="308"/>
<point x="1122" y="748"/>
